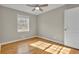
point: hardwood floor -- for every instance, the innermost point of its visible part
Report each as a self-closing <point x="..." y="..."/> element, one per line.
<point x="12" y="48"/>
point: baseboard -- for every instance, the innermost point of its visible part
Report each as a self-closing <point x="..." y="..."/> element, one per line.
<point x="50" y="39"/>
<point x="4" y="43"/>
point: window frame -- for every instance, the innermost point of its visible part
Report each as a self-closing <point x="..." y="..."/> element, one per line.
<point x="19" y="19"/>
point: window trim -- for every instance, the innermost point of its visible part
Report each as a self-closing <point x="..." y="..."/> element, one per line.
<point x="27" y="21"/>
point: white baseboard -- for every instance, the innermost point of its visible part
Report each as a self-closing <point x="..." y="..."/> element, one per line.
<point x="50" y="39"/>
<point x="4" y="43"/>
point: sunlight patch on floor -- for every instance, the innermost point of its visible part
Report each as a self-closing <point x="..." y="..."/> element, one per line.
<point x="40" y="44"/>
<point x="65" y="50"/>
<point x="54" y="49"/>
<point x="51" y="48"/>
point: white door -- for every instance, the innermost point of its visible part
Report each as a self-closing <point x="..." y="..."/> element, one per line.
<point x="71" y="27"/>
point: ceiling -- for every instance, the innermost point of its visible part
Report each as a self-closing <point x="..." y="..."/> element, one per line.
<point x="23" y="7"/>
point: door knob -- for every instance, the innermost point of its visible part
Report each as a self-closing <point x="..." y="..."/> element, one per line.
<point x="65" y="29"/>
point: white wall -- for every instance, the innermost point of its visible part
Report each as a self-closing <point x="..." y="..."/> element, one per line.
<point x="9" y="25"/>
<point x="51" y="25"/>
<point x="0" y="27"/>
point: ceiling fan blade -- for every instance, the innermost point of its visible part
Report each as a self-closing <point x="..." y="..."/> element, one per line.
<point x="43" y="5"/>
<point x="40" y="9"/>
<point x="33" y="9"/>
<point x="37" y="5"/>
<point x="31" y="5"/>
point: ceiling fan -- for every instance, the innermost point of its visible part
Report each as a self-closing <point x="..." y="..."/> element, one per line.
<point x="37" y="7"/>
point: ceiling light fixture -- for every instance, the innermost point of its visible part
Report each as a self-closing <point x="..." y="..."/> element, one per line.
<point x="37" y="8"/>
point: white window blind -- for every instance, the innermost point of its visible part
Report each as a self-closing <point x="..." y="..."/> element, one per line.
<point x="22" y="23"/>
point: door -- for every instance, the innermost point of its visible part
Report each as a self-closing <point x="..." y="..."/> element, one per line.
<point x="71" y="27"/>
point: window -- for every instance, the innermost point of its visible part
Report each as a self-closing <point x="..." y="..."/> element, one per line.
<point x="22" y="23"/>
